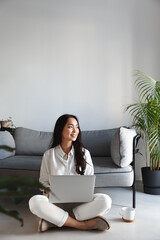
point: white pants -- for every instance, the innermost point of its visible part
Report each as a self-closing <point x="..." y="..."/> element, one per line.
<point x="41" y="207"/>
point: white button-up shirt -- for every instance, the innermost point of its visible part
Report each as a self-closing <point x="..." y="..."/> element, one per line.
<point x="56" y="162"/>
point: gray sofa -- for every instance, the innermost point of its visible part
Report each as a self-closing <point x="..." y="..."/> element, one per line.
<point x="102" y="144"/>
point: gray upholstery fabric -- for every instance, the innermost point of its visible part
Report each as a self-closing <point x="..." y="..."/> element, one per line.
<point x="19" y="172"/>
<point x="107" y="173"/>
<point x="114" y="179"/>
<point x="106" y="165"/>
<point x="98" y="142"/>
<point x="102" y="180"/>
<point x="101" y="164"/>
<point x="31" y="142"/>
<point x="22" y="162"/>
<point x="6" y="139"/>
<point x="115" y="148"/>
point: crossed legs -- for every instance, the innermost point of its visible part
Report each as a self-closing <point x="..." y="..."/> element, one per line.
<point x="41" y="207"/>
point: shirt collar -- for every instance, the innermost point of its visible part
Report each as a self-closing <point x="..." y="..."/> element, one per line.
<point x="62" y="154"/>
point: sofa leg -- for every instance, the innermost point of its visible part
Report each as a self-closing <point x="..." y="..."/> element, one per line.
<point x="134" y="196"/>
<point x="135" y="142"/>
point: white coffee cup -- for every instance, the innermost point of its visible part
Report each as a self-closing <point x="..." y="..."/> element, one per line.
<point x="128" y="214"/>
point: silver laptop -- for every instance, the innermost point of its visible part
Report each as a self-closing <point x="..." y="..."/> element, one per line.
<point x="71" y="188"/>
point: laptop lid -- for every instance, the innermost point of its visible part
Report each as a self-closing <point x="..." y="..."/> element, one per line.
<point x="71" y="188"/>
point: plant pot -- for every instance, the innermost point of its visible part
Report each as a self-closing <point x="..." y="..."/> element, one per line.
<point x="151" y="181"/>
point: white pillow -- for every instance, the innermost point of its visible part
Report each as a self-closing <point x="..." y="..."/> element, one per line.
<point x="6" y="139"/>
<point x="122" y="146"/>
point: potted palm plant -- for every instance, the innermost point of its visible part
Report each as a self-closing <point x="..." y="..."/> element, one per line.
<point x="145" y="116"/>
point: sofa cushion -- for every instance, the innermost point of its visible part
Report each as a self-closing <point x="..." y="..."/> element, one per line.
<point x="6" y="140"/>
<point x="31" y="142"/>
<point x="98" y="142"/>
<point x="122" y="146"/>
<point x="103" y="165"/>
<point x="31" y="163"/>
<point x="115" y="179"/>
<point x="107" y="173"/>
<point x="110" y="175"/>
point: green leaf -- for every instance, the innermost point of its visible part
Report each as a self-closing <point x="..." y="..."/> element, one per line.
<point x="7" y="148"/>
<point x="17" y="188"/>
<point x="9" y="193"/>
<point x="20" y="182"/>
<point x="17" y="200"/>
<point x="12" y="213"/>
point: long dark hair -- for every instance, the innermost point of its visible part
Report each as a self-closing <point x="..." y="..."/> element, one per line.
<point x="78" y="146"/>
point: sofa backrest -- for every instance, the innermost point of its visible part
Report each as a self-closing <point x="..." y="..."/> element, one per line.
<point x="98" y="142"/>
<point x="32" y="142"/>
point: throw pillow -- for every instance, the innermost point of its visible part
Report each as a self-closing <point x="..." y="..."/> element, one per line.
<point x="7" y="140"/>
<point x="122" y="146"/>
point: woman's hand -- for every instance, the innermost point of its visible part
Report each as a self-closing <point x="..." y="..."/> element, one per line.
<point x="47" y="192"/>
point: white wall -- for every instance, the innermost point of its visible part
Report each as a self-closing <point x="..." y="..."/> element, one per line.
<point x="66" y="56"/>
<point x="147" y="36"/>
<point x="74" y="56"/>
<point x="147" y="50"/>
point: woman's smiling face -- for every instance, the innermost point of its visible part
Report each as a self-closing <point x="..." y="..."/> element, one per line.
<point x="71" y="130"/>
